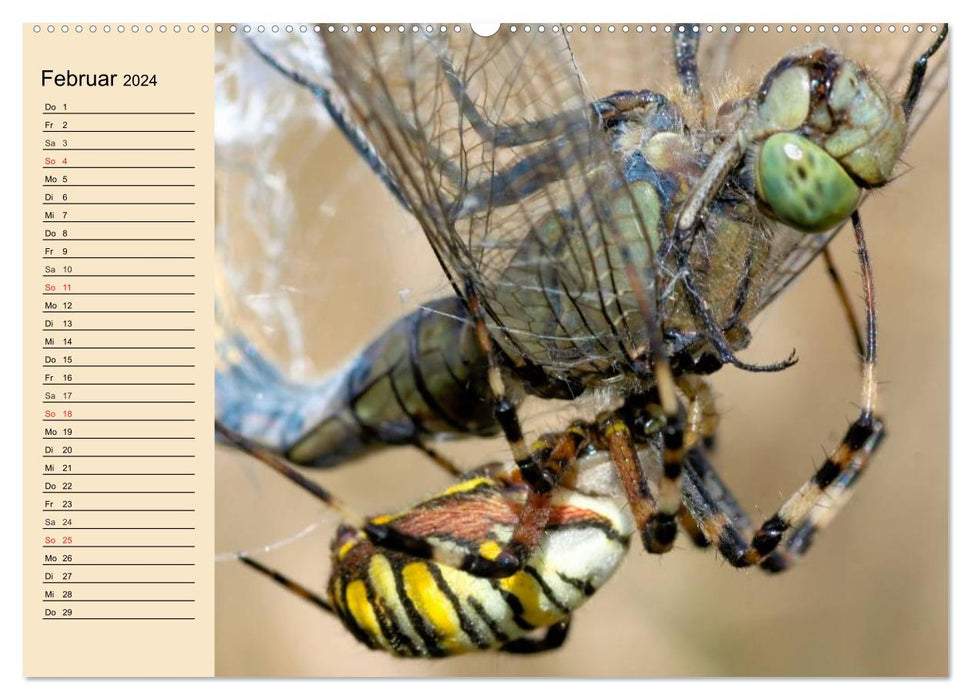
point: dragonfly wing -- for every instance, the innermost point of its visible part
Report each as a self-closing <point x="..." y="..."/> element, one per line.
<point x="495" y="146"/>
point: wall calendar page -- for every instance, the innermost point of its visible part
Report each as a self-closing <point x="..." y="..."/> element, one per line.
<point x="485" y="350"/>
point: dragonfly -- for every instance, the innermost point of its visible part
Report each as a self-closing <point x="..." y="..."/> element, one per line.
<point x="516" y="186"/>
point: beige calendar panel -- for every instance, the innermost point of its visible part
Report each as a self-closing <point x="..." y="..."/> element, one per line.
<point x="118" y="243"/>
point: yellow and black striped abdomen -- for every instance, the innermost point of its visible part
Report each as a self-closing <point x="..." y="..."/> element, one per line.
<point x="413" y="607"/>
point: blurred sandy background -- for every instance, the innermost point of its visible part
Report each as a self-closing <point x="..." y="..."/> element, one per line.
<point x="871" y="597"/>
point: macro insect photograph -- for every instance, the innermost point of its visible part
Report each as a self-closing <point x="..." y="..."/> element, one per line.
<point x="562" y="351"/>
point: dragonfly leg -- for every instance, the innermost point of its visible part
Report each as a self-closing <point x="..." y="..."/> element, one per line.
<point x="742" y="291"/>
<point x="544" y="164"/>
<point x="553" y="639"/>
<point x="549" y="128"/>
<point x="564" y="134"/>
<point x="702" y="312"/>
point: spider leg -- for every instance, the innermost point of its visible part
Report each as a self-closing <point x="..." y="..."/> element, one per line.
<point x="691" y="526"/>
<point x="567" y="137"/>
<point x="702" y="423"/>
<point x="818" y="500"/>
<point x="504" y="409"/>
<point x="702" y="415"/>
<point x="686" y="36"/>
<point x="553" y="639"/>
<point x="355" y="137"/>
<point x="655" y="517"/>
<point x="703" y="484"/>
<point x="554" y="459"/>
<point x="724" y="523"/>
<point x="446" y="464"/>
<point x="277" y="463"/>
<point x="803" y="533"/>
<point x="297" y="589"/>
<point x="844" y="299"/>
<point x="556" y="456"/>
<point x="918" y="71"/>
<point x="840" y="491"/>
<point x="568" y="122"/>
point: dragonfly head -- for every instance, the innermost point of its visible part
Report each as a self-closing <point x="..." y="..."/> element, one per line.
<point x="826" y="130"/>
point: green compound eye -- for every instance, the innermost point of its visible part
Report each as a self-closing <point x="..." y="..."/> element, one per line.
<point x="802" y="184"/>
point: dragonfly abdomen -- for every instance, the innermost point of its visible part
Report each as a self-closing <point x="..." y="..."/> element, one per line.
<point x="424" y="376"/>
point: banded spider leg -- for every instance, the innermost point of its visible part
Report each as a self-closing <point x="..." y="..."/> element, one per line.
<point x="717" y="516"/>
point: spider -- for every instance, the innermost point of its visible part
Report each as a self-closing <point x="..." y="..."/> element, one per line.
<point x="410" y="605"/>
